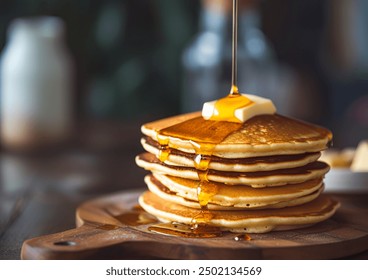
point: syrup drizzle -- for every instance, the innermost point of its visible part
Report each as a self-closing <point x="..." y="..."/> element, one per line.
<point x="234" y="70"/>
<point x="164" y="150"/>
<point x="204" y="137"/>
<point x="225" y="107"/>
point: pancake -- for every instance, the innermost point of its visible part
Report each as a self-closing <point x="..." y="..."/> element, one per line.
<point x="262" y="135"/>
<point x="243" y="197"/>
<point x="255" y="179"/>
<point x="255" y="221"/>
<point x="254" y="164"/>
<point x="229" y="196"/>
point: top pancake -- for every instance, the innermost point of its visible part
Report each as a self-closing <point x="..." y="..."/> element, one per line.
<point x="261" y="135"/>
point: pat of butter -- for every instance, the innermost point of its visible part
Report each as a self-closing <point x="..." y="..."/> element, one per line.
<point x="257" y="106"/>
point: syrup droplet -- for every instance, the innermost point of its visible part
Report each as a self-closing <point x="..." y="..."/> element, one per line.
<point x="107" y="227"/>
<point x="234" y="90"/>
<point x="164" y="153"/>
<point x="201" y="162"/>
<point x="242" y="237"/>
<point x="182" y="230"/>
<point x="164" y="150"/>
<point x="205" y="191"/>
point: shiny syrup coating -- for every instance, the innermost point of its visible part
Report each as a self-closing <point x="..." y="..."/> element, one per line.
<point x="204" y="136"/>
<point x="190" y="231"/>
<point x="135" y="218"/>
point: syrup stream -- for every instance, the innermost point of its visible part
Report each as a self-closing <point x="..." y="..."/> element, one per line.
<point x="204" y="150"/>
<point x="234" y="73"/>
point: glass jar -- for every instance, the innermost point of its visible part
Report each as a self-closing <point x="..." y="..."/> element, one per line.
<point x="36" y="84"/>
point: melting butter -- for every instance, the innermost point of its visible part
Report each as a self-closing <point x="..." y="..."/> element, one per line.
<point x="224" y="108"/>
<point x="237" y="107"/>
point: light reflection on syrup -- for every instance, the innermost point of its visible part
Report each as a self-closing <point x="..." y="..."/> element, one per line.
<point x="135" y="218"/>
<point x="189" y="231"/>
<point x="164" y="150"/>
<point x="205" y="191"/>
<point x="164" y="153"/>
<point x="203" y="217"/>
<point x="234" y="89"/>
<point x="242" y="237"/>
<point x="107" y="227"/>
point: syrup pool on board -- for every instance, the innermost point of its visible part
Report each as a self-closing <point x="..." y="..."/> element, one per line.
<point x="182" y="230"/>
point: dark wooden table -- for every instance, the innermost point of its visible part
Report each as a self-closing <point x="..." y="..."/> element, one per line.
<point x="40" y="192"/>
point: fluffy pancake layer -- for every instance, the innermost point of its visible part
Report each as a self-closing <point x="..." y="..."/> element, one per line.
<point x="237" y="197"/>
<point x="179" y="158"/>
<point x="262" y="135"/>
<point x="255" y="221"/>
<point x="228" y="197"/>
<point x="255" y="179"/>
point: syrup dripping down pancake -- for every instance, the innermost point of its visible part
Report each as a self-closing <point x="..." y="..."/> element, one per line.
<point x="234" y="197"/>
<point x="254" y="164"/>
<point x="262" y="135"/>
<point x="255" y="179"/>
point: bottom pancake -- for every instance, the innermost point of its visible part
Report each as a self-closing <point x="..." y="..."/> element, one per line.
<point x="248" y="221"/>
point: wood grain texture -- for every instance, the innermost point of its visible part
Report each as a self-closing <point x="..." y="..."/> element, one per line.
<point x="101" y="235"/>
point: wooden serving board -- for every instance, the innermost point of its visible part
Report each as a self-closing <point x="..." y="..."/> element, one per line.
<point x="100" y="234"/>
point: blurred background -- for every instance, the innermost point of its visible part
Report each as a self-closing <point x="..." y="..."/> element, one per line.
<point x="78" y="78"/>
<point x="145" y="59"/>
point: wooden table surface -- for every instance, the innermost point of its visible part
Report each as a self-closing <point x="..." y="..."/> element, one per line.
<point x="39" y="193"/>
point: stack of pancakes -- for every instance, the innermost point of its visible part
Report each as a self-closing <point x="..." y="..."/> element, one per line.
<point x="256" y="176"/>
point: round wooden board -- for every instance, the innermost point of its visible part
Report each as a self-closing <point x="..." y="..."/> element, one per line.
<point x="101" y="235"/>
